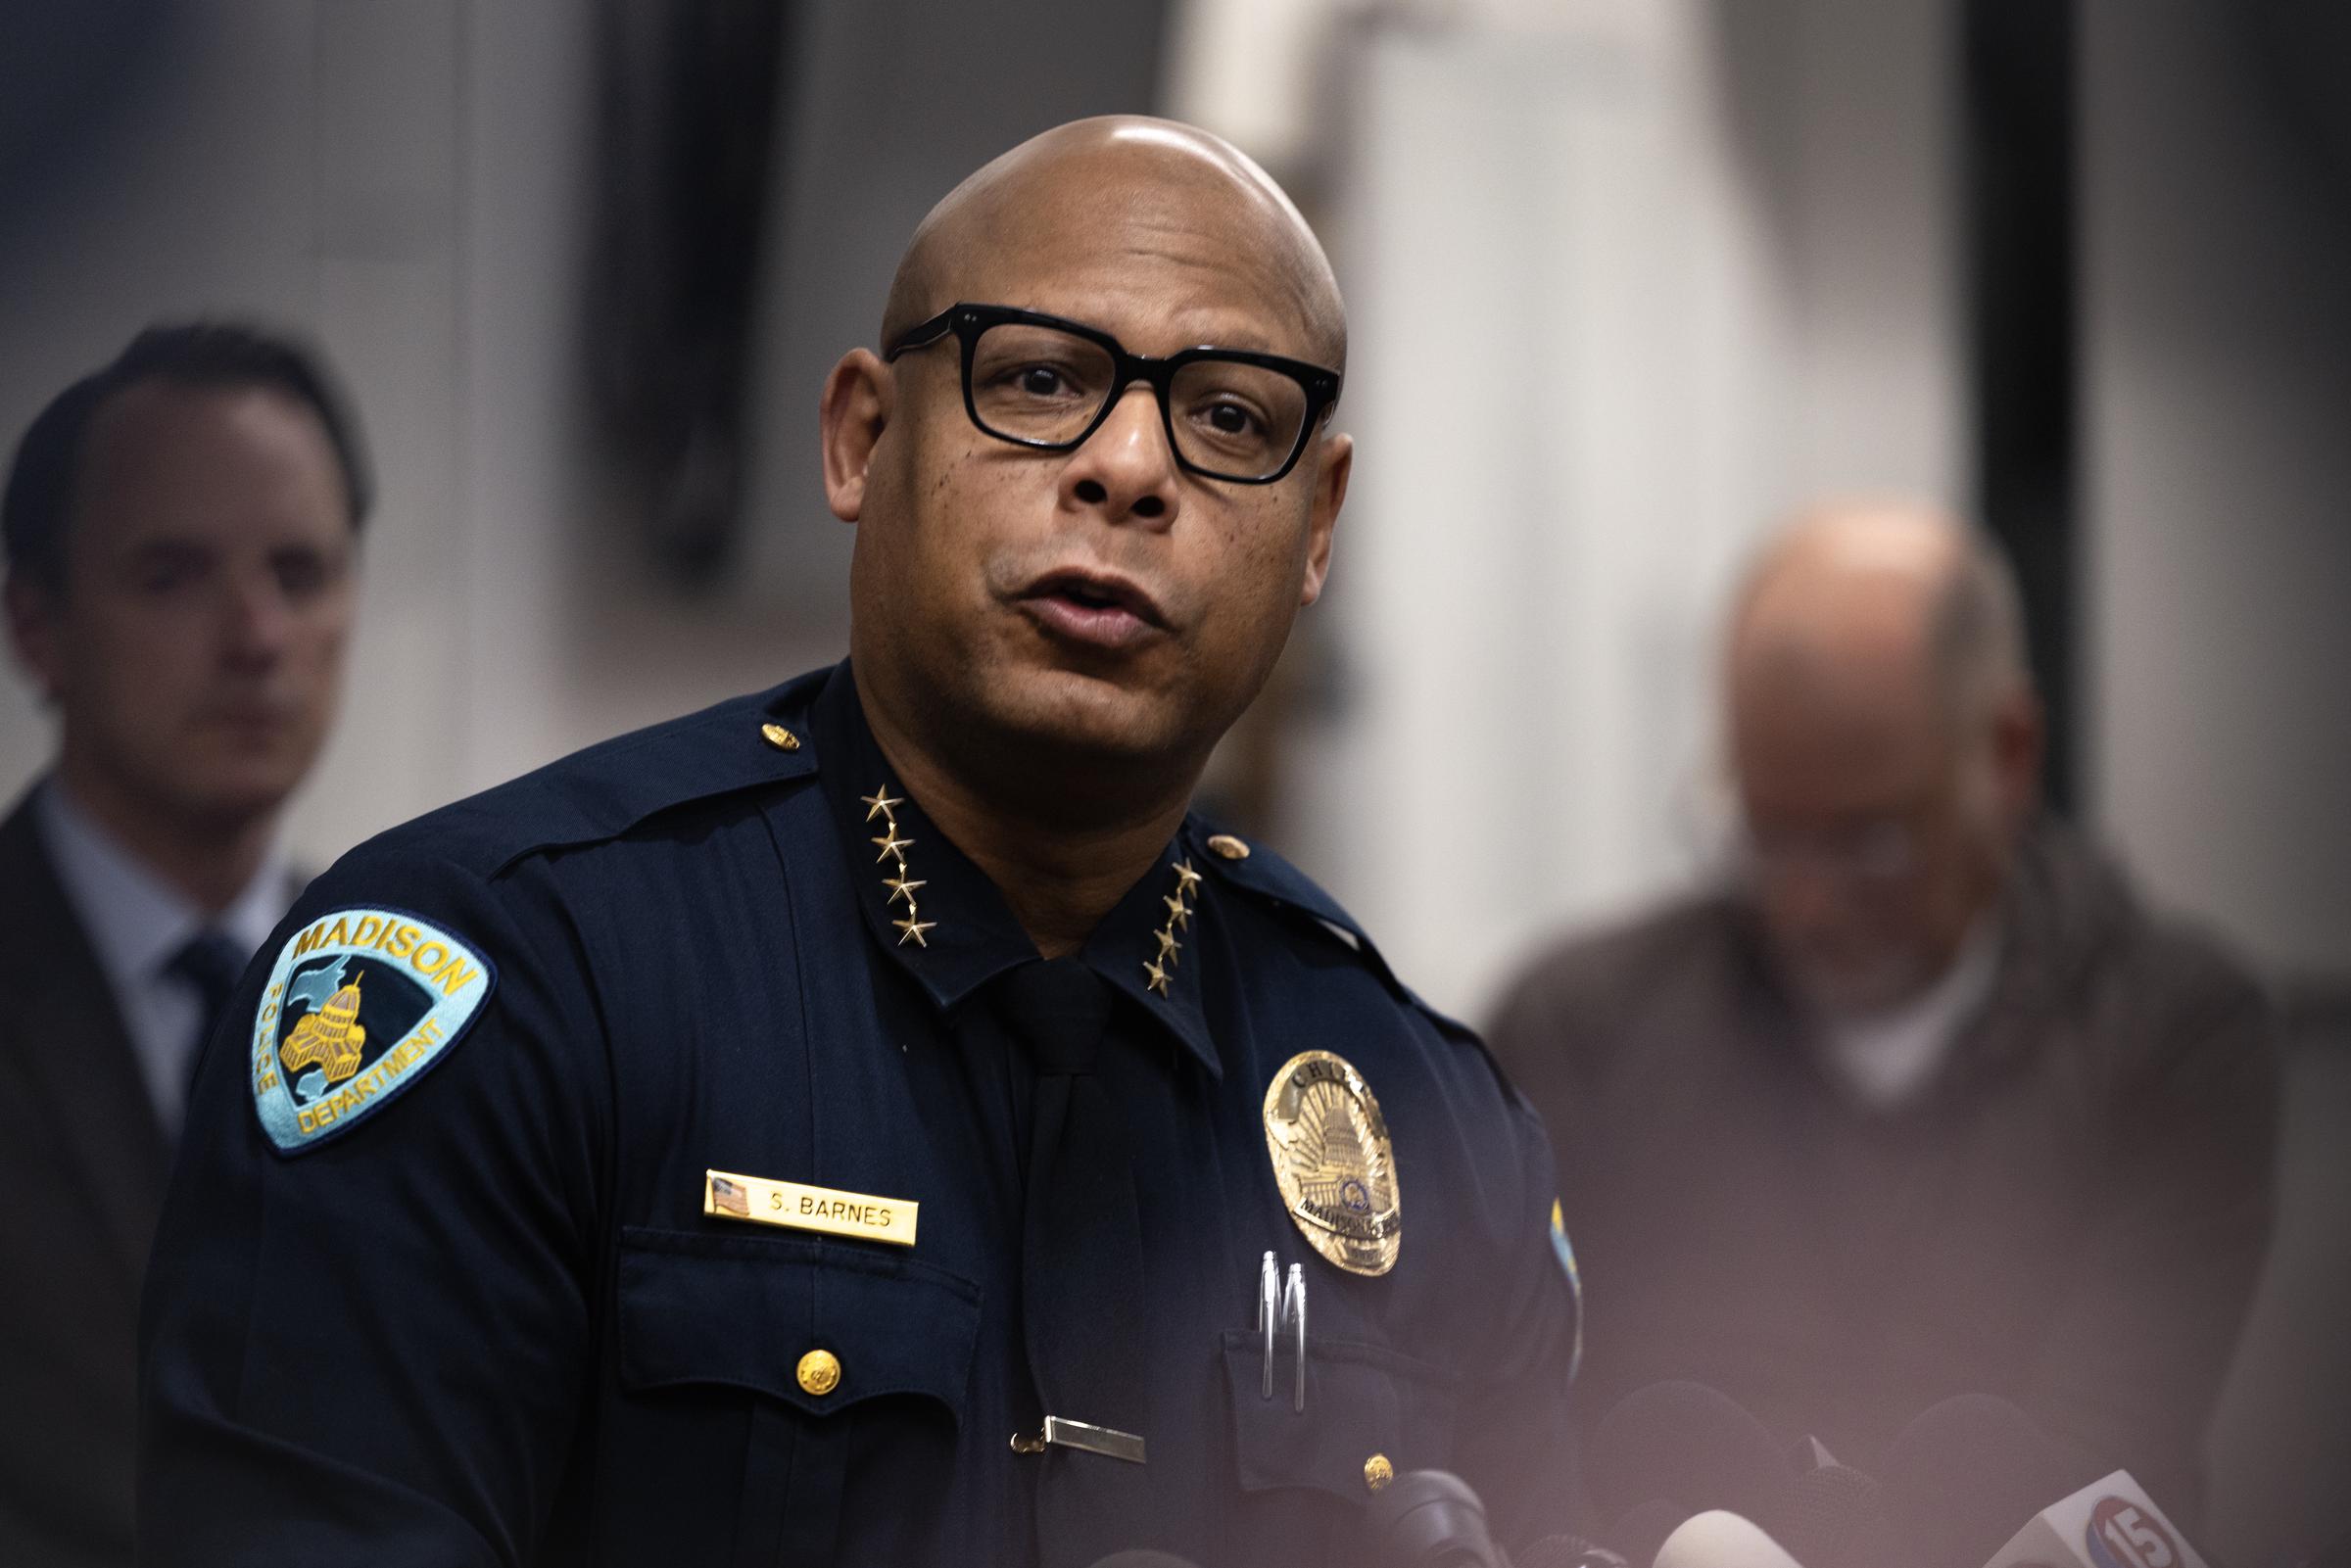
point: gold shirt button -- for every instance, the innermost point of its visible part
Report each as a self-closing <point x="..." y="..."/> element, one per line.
<point x="1377" y="1472"/>
<point x="781" y="739"/>
<point x="1229" y="848"/>
<point x="820" y="1372"/>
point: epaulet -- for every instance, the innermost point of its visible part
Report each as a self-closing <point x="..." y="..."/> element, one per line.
<point x="1261" y="874"/>
<point x="606" y="789"/>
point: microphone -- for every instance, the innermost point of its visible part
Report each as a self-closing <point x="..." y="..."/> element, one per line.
<point x="1836" y="1517"/>
<point x="1430" y="1519"/>
<point x="1567" y="1552"/>
<point x="1641" y="1532"/>
<point x="2111" y="1523"/>
<point x="1720" y="1539"/>
<point x="1685" y="1439"/>
<point x="1967" y="1472"/>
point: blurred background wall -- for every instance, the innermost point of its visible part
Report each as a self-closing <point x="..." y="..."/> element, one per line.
<point x="1629" y="278"/>
<point x="403" y="180"/>
<point x="2216" y="380"/>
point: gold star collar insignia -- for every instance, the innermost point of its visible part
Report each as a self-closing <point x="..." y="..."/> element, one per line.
<point x="884" y="805"/>
<point x="1157" y="970"/>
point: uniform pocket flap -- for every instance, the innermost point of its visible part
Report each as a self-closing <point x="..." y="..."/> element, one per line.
<point x="752" y="1311"/>
<point x="1361" y="1401"/>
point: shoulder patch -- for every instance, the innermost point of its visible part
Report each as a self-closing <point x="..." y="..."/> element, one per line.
<point x="359" y="1003"/>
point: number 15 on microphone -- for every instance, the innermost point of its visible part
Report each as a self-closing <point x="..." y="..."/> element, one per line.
<point x="2108" y="1524"/>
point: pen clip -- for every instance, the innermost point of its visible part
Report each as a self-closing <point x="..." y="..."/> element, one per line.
<point x="1293" y="1311"/>
<point x="1269" y="1300"/>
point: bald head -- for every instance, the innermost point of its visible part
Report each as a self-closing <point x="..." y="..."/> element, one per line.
<point x="1173" y="178"/>
<point x="1893" y="600"/>
<point x="1887" y="746"/>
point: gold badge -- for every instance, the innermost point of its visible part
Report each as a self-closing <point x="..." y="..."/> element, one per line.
<point x="1333" y="1161"/>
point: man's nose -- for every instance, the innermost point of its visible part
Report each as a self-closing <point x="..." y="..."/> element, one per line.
<point x="257" y="619"/>
<point x="1126" y="470"/>
<point x="1805" y="895"/>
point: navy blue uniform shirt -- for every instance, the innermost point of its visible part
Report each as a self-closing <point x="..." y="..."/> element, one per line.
<point x="443" y="1281"/>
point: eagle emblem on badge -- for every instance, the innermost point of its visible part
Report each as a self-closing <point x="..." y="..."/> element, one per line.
<point x="1334" y="1163"/>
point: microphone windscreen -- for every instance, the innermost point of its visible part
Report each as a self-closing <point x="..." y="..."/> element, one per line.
<point x="1834" y="1517"/>
<point x="1968" y="1473"/>
<point x="1567" y="1552"/>
<point x="1686" y="1441"/>
<point x="1719" y="1539"/>
<point x="1638" y="1532"/>
<point x="1428" y="1519"/>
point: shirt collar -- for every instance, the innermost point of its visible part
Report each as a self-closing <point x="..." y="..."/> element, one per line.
<point x="1887" y="1058"/>
<point x="937" y="917"/>
<point x="135" y="921"/>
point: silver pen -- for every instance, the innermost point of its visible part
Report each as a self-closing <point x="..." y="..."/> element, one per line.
<point x="1293" y="1310"/>
<point x="1269" y="1296"/>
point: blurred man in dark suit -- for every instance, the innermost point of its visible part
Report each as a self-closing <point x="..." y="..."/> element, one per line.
<point x="1921" y="1103"/>
<point x="181" y="531"/>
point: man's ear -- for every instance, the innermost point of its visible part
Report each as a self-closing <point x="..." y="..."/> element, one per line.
<point x="33" y="632"/>
<point x="855" y="412"/>
<point x="2019" y="740"/>
<point x="1330" y="494"/>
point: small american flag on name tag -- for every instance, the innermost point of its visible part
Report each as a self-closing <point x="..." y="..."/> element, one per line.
<point x="730" y="1196"/>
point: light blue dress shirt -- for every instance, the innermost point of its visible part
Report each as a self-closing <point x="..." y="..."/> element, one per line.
<point x="135" y="922"/>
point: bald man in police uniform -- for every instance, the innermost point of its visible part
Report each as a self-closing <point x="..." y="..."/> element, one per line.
<point x="872" y="1122"/>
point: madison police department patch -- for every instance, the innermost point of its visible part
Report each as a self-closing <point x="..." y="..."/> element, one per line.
<point x="360" y="1003"/>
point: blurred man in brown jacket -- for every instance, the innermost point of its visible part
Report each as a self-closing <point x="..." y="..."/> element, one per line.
<point x="1920" y="1103"/>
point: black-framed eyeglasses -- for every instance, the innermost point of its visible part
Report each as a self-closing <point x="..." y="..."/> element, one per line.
<point x="1038" y="381"/>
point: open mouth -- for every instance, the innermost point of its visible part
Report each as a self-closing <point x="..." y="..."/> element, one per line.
<point x="1092" y="609"/>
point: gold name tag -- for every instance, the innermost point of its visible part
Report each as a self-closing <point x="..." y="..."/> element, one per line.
<point x="820" y="1208"/>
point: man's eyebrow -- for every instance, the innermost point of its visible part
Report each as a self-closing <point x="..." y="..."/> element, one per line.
<point x="166" y="547"/>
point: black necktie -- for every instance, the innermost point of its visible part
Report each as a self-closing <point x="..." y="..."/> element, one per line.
<point x="1082" y="1260"/>
<point x="208" y="964"/>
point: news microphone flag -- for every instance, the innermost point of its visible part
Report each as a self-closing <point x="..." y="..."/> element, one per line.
<point x="2108" y="1524"/>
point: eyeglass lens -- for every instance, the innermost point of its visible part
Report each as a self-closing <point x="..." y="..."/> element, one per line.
<point x="1038" y="384"/>
<point x="1872" y="852"/>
